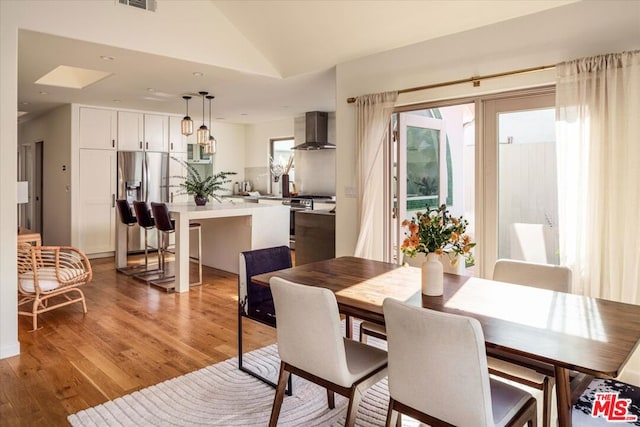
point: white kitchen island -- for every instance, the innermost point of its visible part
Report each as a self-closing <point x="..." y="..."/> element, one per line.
<point x="227" y="229"/>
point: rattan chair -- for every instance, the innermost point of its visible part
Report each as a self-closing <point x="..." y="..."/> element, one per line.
<point x="49" y="277"/>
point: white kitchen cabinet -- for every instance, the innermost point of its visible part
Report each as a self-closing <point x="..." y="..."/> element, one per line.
<point x="156" y="132"/>
<point x="97" y="192"/>
<point x="98" y="128"/>
<point x="176" y="171"/>
<point x="177" y="141"/>
<point x="130" y="131"/>
<point x="270" y="201"/>
<point x="140" y="132"/>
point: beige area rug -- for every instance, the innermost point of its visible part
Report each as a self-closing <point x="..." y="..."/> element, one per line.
<point x="222" y="395"/>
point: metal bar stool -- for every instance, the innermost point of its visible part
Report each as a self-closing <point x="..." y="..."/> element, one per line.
<point x="146" y="222"/>
<point x="165" y="226"/>
<point x="128" y="219"/>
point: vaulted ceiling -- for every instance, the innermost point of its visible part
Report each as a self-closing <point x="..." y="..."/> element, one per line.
<point x="301" y="40"/>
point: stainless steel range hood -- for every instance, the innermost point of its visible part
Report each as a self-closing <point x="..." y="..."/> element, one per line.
<point x="316" y="127"/>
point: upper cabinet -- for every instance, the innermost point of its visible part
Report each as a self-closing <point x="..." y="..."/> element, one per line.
<point x="156" y="132"/>
<point x="142" y="132"/>
<point x="98" y="128"/>
<point x="130" y="131"/>
<point x="177" y="141"/>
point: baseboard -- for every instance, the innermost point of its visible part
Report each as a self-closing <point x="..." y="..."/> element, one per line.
<point x="10" y="350"/>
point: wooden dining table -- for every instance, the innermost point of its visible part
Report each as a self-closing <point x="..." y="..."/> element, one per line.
<point x="573" y="333"/>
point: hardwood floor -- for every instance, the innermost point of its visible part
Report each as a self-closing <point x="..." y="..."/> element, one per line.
<point x="133" y="336"/>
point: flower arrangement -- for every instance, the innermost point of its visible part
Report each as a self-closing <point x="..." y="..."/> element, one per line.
<point x="279" y="169"/>
<point x="200" y="187"/>
<point x="437" y="231"/>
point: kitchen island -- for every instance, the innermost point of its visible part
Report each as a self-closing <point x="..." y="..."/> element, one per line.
<point x="227" y="229"/>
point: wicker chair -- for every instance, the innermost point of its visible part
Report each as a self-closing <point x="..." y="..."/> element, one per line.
<point x="47" y="272"/>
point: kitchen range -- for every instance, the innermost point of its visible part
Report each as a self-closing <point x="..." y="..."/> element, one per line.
<point x="302" y="203"/>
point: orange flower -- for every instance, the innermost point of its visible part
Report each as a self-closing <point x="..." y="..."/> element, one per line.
<point x="466" y="248"/>
<point x="439" y="251"/>
<point x="454" y="236"/>
<point x="413" y="228"/>
<point x="405" y="222"/>
<point x="406" y="243"/>
<point x="466" y="239"/>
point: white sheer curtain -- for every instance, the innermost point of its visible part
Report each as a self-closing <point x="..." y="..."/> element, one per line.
<point x="373" y="114"/>
<point x="598" y="143"/>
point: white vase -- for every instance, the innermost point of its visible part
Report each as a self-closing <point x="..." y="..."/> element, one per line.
<point x="432" y="276"/>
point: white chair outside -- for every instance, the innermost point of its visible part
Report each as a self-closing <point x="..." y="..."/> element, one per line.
<point x="438" y="372"/>
<point x="311" y="345"/>
<point x="524" y="371"/>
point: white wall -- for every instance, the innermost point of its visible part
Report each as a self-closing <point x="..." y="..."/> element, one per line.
<point x="230" y="153"/>
<point x="258" y="136"/>
<point x="54" y="129"/>
<point x="550" y="37"/>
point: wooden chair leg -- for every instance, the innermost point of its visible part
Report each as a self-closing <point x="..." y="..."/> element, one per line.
<point x="546" y="401"/>
<point x="331" y="400"/>
<point x="355" y="397"/>
<point x="283" y="377"/>
<point x="392" y="415"/>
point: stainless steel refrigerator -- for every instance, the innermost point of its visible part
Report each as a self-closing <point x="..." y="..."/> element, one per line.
<point x="142" y="176"/>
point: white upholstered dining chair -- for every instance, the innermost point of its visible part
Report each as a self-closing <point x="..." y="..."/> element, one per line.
<point x="524" y="371"/>
<point x="438" y="372"/>
<point x="311" y="345"/>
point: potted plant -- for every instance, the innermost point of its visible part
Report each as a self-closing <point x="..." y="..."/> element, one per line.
<point x="436" y="233"/>
<point x="202" y="188"/>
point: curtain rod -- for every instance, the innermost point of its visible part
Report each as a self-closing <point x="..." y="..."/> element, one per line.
<point x="475" y="80"/>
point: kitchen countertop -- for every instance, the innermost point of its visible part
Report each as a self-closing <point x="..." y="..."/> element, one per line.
<point x="270" y="197"/>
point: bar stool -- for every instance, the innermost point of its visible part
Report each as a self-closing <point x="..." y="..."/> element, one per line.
<point x="165" y="226"/>
<point x="146" y="222"/>
<point x="128" y="219"/>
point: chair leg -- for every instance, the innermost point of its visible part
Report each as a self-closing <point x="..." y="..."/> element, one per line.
<point x="546" y="401"/>
<point x="354" y="401"/>
<point x="283" y="377"/>
<point x="331" y="399"/>
<point x="392" y="415"/>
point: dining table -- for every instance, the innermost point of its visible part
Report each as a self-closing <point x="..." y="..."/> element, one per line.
<point x="573" y="333"/>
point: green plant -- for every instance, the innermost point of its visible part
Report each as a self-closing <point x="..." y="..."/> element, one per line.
<point x="437" y="231"/>
<point x="193" y="183"/>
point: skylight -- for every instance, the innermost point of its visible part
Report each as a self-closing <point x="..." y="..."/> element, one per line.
<point x="71" y="77"/>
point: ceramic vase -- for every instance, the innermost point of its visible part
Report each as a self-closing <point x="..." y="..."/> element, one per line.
<point x="285" y="185"/>
<point x="200" y="200"/>
<point x="432" y="276"/>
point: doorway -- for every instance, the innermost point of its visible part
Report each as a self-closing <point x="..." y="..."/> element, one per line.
<point x="31" y="171"/>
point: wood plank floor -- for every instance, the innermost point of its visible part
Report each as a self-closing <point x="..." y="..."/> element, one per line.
<point x="133" y="336"/>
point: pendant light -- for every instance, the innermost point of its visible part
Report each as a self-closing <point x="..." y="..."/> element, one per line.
<point x="210" y="148"/>
<point x="203" y="132"/>
<point x="186" y="123"/>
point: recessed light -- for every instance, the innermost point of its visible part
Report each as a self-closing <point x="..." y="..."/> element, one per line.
<point x="117" y="101"/>
<point x="243" y="114"/>
<point x="44" y="93"/>
<point x="197" y="74"/>
<point x="25" y="103"/>
<point x="220" y="118"/>
<point x="107" y="58"/>
<point x="150" y="89"/>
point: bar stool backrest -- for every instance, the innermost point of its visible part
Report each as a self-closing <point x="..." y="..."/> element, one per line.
<point x="142" y="214"/>
<point x="125" y="212"/>
<point x="161" y="217"/>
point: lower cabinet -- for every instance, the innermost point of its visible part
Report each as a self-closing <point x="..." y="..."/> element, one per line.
<point x="97" y="192"/>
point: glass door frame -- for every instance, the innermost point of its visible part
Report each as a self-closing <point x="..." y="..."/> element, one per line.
<point x="487" y="204"/>
<point x="486" y="173"/>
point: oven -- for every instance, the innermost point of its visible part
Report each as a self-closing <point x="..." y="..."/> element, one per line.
<point x="296" y="204"/>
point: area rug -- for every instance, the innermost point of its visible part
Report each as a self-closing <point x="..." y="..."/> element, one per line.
<point x="583" y="408"/>
<point x="221" y="395"/>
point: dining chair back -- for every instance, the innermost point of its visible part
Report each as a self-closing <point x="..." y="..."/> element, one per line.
<point x="124" y="209"/>
<point x="255" y="302"/>
<point x="531" y="373"/>
<point x="545" y="276"/>
<point x="311" y="345"/>
<point x="438" y="371"/>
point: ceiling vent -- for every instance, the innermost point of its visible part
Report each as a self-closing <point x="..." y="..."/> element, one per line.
<point x="149" y="5"/>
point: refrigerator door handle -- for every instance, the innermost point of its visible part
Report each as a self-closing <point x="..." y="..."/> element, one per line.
<point x="113" y="200"/>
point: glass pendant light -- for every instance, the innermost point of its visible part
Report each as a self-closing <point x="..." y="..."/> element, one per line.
<point x="203" y="131"/>
<point x="187" y="123"/>
<point x="210" y="148"/>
